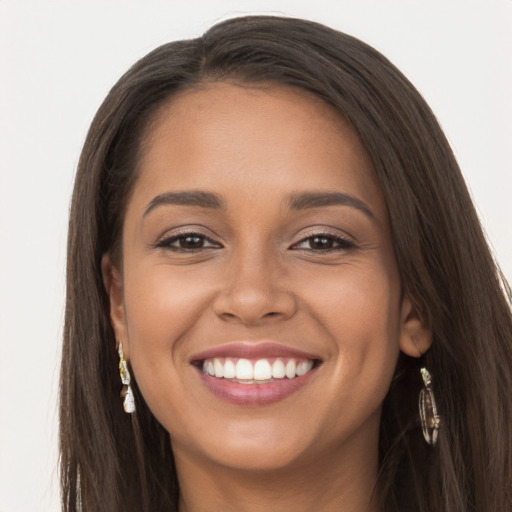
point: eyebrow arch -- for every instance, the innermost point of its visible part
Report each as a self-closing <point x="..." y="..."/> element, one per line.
<point x="306" y="200"/>
<point x="199" y="198"/>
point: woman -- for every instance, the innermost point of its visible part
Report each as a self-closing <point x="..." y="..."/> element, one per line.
<point x="272" y="241"/>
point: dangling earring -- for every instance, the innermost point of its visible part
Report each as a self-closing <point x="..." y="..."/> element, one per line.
<point x="428" y="410"/>
<point x="129" y="401"/>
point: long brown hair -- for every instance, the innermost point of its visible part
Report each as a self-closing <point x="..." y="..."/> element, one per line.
<point x="112" y="462"/>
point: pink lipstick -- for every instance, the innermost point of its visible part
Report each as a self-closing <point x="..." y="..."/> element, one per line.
<point x="254" y="373"/>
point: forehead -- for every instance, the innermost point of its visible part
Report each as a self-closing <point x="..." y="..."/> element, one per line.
<point x="235" y="138"/>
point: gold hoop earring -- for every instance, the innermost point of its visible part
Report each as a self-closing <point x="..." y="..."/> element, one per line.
<point x="429" y="417"/>
<point x="129" y="400"/>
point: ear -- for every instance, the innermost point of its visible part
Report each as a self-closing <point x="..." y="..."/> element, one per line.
<point x="112" y="280"/>
<point x="415" y="334"/>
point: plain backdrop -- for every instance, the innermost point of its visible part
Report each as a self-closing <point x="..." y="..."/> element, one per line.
<point x="58" y="59"/>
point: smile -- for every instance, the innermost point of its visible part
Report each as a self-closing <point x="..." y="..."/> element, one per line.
<point x="246" y="371"/>
<point x="254" y="373"/>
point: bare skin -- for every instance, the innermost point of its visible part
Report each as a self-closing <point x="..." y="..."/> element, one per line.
<point x="265" y="259"/>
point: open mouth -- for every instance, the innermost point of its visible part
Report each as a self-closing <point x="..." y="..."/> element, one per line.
<point x="256" y="371"/>
<point x="254" y="374"/>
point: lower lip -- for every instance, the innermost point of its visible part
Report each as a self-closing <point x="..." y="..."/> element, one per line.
<point x="254" y="394"/>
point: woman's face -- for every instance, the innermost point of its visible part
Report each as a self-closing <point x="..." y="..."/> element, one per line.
<point x="257" y="248"/>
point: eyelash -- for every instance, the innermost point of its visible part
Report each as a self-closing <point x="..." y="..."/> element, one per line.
<point x="167" y="242"/>
<point x="339" y="243"/>
<point x="343" y="244"/>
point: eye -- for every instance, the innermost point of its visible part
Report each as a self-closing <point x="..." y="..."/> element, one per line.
<point x="187" y="242"/>
<point x="323" y="242"/>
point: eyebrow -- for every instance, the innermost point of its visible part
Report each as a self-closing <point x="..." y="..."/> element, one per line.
<point x="306" y="200"/>
<point x="301" y="201"/>
<point x="187" y="198"/>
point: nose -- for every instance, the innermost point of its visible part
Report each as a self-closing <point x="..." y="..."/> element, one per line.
<point x="253" y="291"/>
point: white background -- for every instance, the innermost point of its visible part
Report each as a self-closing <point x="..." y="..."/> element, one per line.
<point x="59" y="59"/>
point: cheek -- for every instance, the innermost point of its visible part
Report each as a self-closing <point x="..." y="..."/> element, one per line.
<point x="360" y="313"/>
<point x="163" y="307"/>
<point x="356" y="299"/>
<point x="161" y="302"/>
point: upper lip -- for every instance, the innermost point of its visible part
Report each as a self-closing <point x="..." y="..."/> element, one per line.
<point x="253" y="350"/>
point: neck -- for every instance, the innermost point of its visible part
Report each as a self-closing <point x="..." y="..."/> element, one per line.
<point x="340" y="480"/>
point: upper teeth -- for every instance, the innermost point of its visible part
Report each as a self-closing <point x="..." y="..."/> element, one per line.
<point x="260" y="369"/>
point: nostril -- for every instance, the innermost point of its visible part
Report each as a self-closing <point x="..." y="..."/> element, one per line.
<point x="228" y="315"/>
<point x="250" y="305"/>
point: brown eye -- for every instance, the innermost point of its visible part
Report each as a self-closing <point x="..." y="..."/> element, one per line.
<point x="188" y="242"/>
<point x="191" y="242"/>
<point x="321" y="242"/>
<point x="324" y="243"/>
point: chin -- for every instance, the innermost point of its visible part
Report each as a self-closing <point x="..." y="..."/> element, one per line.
<point x="257" y="444"/>
<point x="255" y="457"/>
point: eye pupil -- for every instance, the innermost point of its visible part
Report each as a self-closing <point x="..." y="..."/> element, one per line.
<point x="191" y="241"/>
<point x="321" y="242"/>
